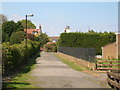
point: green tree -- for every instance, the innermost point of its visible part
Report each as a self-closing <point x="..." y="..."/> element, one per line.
<point x="19" y="26"/>
<point x="30" y="25"/>
<point x="91" y="31"/>
<point x="5" y="37"/>
<point x="9" y="27"/>
<point x="43" y="38"/>
<point x="17" y="37"/>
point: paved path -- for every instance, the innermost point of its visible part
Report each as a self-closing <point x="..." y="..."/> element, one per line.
<point x="50" y="72"/>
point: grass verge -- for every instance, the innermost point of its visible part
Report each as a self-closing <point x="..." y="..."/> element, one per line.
<point x="69" y="63"/>
<point x="22" y="79"/>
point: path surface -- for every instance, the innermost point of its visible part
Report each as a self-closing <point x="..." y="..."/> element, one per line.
<point x="50" y="72"/>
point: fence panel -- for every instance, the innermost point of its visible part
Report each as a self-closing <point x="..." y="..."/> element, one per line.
<point x="113" y="79"/>
<point x="87" y="54"/>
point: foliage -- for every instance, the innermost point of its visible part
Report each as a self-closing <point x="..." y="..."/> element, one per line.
<point x="30" y="25"/>
<point x="21" y="80"/>
<point x="31" y="37"/>
<point x="50" y="48"/>
<point x="19" y="26"/>
<point x="43" y="38"/>
<point x="86" y="40"/>
<point x="14" y="55"/>
<point x="5" y="37"/>
<point x="8" y="27"/>
<point x="17" y="37"/>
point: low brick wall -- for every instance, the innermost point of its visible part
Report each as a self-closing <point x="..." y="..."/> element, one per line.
<point x="80" y="62"/>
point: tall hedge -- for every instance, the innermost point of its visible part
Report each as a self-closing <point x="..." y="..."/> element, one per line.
<point x="86" y="40"/>
<point x="14" y="55"/>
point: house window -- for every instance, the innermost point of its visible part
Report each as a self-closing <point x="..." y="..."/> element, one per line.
<point x="34" y="32"/>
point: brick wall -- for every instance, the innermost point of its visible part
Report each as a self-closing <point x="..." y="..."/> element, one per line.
<point x="118" y="46"/>
<point x="109" y="51"/>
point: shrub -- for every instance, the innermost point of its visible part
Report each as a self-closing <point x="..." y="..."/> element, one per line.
<point x="14" y="55"/>
<point x="50" y="48"/>
<point x="17" y="37"/>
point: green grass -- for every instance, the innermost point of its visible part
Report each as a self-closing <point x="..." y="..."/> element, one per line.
<point x="69" y="63"/>
<point x="112" y="63"/>
<point x="23" y="78"/>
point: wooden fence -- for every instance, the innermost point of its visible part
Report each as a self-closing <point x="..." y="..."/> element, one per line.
<point x="113" y="79"/>
<point x="108" y="65"/>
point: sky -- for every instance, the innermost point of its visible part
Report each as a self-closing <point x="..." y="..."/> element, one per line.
<point x="54" y="16"/>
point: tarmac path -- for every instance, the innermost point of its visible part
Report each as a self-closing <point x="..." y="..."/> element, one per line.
<point x="51" y="72"/>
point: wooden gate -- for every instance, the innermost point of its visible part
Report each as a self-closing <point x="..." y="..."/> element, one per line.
<point x="113" y="79"/>
<point x="108" y="65"/>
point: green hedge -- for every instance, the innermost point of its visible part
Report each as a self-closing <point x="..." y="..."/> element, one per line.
<point x="14" y="55"/>
<point x="86" y="40"/>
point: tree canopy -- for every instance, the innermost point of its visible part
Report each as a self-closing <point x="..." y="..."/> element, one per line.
<point x="19" y="26"/>
<point x="9" y="27"/>
<point x="17" y="37"/>
<point x="3" y="18"/>
<point x="43" y="38"/>
<point x="30" y="25"/>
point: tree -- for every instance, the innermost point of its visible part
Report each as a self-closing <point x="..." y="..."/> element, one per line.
<point x="9" y="27"/>
<point x="3" y="18"/>
<point x="5" y="37"/>
<point x="43" y="38"/>
<point x="31" y="36"/>
<point x="19" y="26"/>
<point x="17" y="37"/>
<point x="91" y="31"/>
<point x="30" y="25"/>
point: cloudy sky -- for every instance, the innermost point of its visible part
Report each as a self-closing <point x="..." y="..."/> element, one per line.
<point x="54" y="16"/>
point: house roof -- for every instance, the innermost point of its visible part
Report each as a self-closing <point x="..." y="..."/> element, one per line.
<point x="109" y="44"/>
<point x="29" y="31"/>
<point x="51" y="43"/>
<point x="54" y="37"/>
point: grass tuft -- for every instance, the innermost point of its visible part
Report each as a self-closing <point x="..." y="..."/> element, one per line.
<point x="73" y="65"/>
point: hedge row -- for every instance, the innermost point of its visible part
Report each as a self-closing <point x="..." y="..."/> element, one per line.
<point x="86" y="40"/>
<point x="14" y="55"/>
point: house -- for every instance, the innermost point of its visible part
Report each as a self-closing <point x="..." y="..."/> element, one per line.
<point x="112" y="50"/>
<point x="54" y="39"/>
<point x="34" y="31"/>
<point x="67" y="29"/>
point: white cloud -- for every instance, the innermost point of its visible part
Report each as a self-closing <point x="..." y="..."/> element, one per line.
<point x="15" y="17"/>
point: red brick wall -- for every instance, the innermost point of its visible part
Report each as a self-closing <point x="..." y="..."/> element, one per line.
<point x="109" y="51"/>
<point x="118" y="45"/>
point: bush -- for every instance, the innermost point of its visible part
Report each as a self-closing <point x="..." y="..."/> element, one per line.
<point x="17" y="37"/>
<point x="86" y="40"/>
<point x="50" y="48"/>
<point x="14" y="55"/>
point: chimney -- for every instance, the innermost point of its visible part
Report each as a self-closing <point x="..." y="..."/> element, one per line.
<point x="40" y="27"/>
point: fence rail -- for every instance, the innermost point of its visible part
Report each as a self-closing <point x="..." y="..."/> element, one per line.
<point x="113" y="79"/>
<point x="87" y="54"/>
<point x="108" y="65"/>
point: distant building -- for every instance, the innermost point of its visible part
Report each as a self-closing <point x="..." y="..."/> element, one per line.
<point x="112" y="50"/>
<point x="67" y="29"/>
<point x="54" y="39"/>
<point x="34" y="31"/>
